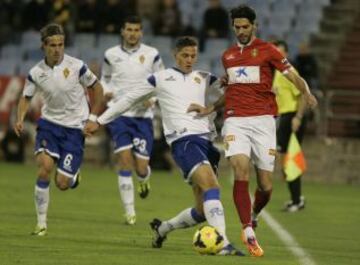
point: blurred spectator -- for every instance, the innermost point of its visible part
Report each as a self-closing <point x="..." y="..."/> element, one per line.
<point x="88" y="18"/>
<point x="36" y="14"/>
<point x="306" y="65"/>
<point x="9" y="20"/>
<point x="112" y="14"/>
<point x="215" y="22"/>
<point x="168" y="19"/>
<point x="63" y="12"/>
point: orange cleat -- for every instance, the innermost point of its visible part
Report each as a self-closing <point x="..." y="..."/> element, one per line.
<point x="252" y="245"/>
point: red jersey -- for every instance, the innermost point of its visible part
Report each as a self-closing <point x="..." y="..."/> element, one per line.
<point x="250" y="70"/>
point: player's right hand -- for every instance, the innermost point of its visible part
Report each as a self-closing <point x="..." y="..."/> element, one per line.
<point x="200" y="110"/>
<point x="90" y="128"/>
<point x="19" y="128"/>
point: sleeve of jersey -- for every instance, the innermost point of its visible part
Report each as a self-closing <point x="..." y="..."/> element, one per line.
<point x="29" y="87"/>
<point x="158" y="63"/>
<point x="214" y="90"/>
<point x="278" y="60"/>
<point x="86" y="77"/>
<point x="143" y="92"/>
<point x="106" y="76"/>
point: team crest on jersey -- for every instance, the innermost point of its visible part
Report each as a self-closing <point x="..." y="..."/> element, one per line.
<point x="197" y="79"/>
<point x="66" y="72"/>
<point x="142" y="58"/>
<point x="43" y="143"/>
<point x="254" y="52"/>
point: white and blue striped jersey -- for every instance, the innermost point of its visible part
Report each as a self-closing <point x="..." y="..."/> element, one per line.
<point x="63" y="91"/>
<point x="175" y="92"/>
<point x="124" y="70"/>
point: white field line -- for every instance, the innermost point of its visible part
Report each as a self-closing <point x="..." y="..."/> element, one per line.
<point x="288" y="240"/>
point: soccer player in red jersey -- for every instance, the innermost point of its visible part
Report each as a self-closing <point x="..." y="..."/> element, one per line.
<point x="249" y="129"/>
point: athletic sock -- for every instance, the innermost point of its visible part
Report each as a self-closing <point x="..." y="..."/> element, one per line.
<point x="187" y="218"/>
<point x="42" y="197"/>
<point x="262" y="197"/>
<point x="126" y="188"/>
<point x="214" y="212"/>
<point x="242" y="201"/>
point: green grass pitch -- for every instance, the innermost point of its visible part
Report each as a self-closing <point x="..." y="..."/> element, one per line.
<point x="85" y="226"/>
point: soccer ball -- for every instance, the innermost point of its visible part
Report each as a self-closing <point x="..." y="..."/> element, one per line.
<point x="207" y="240"/>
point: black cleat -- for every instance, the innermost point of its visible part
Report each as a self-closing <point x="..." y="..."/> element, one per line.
<point x="77" y="181"/>
<point x="157" y="240"/>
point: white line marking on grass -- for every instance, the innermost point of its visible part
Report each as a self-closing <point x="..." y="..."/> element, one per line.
<point x="289" y="241"/>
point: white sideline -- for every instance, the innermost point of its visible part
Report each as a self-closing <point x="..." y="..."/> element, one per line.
<point x="288" y="240"/>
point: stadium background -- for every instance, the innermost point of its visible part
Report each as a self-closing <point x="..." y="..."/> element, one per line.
<point x="331" y="30"/>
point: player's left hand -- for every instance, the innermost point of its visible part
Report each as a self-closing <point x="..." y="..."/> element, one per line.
<point x="311" y="100"/>
<point x="295" y="124"/>
<point x="200" y="110"/>
<point x="90" y="128"/>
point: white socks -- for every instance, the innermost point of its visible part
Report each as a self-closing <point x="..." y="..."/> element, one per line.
<point x="42" y="198"/>
<point x="214" y="212"/>
<point x="126" y="188"/>
<point x="187" y="218"/>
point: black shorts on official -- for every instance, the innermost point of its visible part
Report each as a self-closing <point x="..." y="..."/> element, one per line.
<point x="284" y="131"/>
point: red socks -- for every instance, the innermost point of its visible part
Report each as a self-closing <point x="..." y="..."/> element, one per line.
<point x="242" y="201"/>
<point x="262" y="197"/>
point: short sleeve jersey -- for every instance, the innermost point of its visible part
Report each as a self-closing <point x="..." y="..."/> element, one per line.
<point x="125" y="70"/>
<point x="62" y="90"/>
<point x="250" y="70"/>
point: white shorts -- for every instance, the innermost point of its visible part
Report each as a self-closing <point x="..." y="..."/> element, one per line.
<point x="254" y="137"/>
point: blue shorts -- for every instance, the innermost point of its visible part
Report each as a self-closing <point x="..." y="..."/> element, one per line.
<point x="191" y="151"/>
<point x="135" y="133"/>
<point x="64" y="144"/>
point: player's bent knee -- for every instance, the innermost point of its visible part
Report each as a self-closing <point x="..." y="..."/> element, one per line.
<point x="44" y="173"/>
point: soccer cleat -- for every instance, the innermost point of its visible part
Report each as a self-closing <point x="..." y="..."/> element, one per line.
<point x="130" y="219"/>
<point x="230" y="250"/>
<point x="144" y="188"/>
<point x="157" y="240"/>
<point x="253" y="246"/>
<point x="291" y="207"/>
<point x="39" y="231"/>
<point x="77" y="181"/>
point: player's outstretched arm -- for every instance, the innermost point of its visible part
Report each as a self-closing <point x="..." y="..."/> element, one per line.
<point x="22" y="109"/>
<point x="126" y="102"/>
<point x="301" y="84"/>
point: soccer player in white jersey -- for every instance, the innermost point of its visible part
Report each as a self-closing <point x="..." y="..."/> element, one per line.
<point x="125" y="67"/>
<point x="59" y="140"/>
<point x="190" y="138"/>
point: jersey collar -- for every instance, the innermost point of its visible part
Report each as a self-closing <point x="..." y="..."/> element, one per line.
<point x="130" y="51"/>
<point x="242" y="46"/>
<point x="181" y="72"/>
